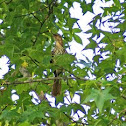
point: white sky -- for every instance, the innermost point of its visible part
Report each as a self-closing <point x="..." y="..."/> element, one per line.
<point x="3" y="66"/>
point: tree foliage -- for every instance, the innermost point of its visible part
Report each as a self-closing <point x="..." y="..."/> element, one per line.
<point x="26" y="39"/>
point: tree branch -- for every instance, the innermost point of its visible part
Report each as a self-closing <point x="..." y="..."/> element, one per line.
<point x="124" y="110"/>
<point x="36" y="18"/>
<point x="40" y="10"/>
<point x="78" y="78"/>
<point x="41" y="80"/>
<point x="77" y="122"/>
<point x="42" y="23"/>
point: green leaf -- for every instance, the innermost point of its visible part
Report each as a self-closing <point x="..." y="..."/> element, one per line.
<point x="86" y="7"/>
<point x="64" y="60"/>
<point x="26" y="35"/>
<point x="20" y="88"/>
<point x="46" y="59"/>
<point x="31" y="113"/>
<point x="59" y="99"/>
<point x="77" y="39"/>
<point x="96" y="58"/>
<point x="91" y="45"/>
<point x="9" y="115"/>
<point x="100" y="96"/>
<point x="76" y="30"/>
<point x="123" y="124"/>
<point x="25" y="3"/>
<point x="70" y="22"/>
<point x="117" y="3"/>
<point x="77" y="107"/>
<point x="24" y="124"/>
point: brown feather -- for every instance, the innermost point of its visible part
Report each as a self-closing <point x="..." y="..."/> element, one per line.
<point x="58" y="50"/>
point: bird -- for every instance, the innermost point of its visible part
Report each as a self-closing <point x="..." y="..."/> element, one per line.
<point x="58" y="50"/>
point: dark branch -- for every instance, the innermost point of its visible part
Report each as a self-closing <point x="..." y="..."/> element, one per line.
<point x="34" y="61"/>
<point x="38" y="34"/>
<point x="37" y="18"/>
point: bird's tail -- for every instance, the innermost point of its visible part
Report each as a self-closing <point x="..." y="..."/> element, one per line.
<point x="56" y="87"/>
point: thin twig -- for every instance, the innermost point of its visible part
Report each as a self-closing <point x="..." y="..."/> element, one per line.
<point x="39" y="32"/>
<point x="34" y="61"/>
<point x="42" y="23"/>
<point x="77" y="122"/>
<point x="68" y="99"/>
<point x="23" y="15"/>
<point x="124" y="110"/>
<point x="4" y="107"/>
<point x="41" y="80"/>
<point x="123" y="96"/>
<point x="37" y="18"/>
<point x="40" y="10"/>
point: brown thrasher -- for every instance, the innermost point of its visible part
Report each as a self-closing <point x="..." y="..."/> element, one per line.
<point x="58" y="50"/>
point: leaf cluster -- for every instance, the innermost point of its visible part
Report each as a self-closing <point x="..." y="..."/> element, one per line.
<point x="26" y="38"/>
